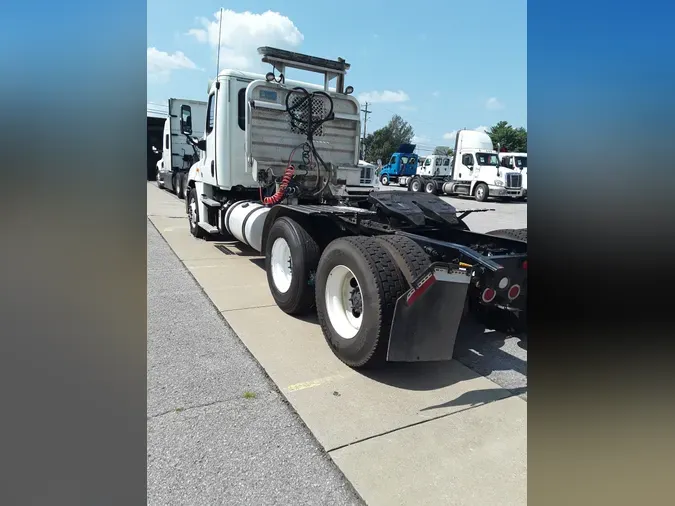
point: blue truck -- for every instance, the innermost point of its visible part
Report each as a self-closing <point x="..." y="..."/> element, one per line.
<point x="403" y="163"/>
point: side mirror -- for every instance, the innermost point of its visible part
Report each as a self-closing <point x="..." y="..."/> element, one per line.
<point x="201" y="144"/>
<point x="186" y="120"/>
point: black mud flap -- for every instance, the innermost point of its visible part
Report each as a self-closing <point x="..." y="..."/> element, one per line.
<point x="427" y="316"/>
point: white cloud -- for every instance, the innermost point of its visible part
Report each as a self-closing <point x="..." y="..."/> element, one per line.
<point x="384" y="96"/>
<point x="450" y="136"/>
<point x="493" y="104"/>
<point x="436" y="94"/>
<point x="243" y="33"/>
<point x="161" y="63"/>
<point x="420" y="139"/>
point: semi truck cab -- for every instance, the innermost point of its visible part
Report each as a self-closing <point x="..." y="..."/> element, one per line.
<point x="401" y="164"/>
<point x="516" y="161"/>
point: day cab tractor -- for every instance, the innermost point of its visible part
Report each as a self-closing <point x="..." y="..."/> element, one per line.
<point x="474" y="171"/>
<point x="401" y="166"/>
<point x="390" y="274"/>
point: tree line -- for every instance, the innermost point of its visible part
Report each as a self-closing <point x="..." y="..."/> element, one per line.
<point x="382" y="143"/>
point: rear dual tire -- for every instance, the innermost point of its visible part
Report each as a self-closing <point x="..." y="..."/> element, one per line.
<point x="356" y="326"/>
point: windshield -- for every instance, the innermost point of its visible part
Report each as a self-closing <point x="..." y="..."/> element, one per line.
<point x="520" y="161"/>
<point x="487" y="159"/>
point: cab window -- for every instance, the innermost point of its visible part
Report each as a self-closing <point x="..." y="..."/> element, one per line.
<point x="427" y="162"/>
<point x="467" y="160"/>
<point x="446" y="162"/>
<point x="210" y="113"/>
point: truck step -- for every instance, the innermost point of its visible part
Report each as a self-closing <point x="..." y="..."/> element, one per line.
<point x="208" y="227"/>
<point x="210" y="202"/>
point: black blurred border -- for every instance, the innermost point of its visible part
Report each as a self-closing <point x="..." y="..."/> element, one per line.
<point x="73" y="130"/>
<point x="601" y="410"/>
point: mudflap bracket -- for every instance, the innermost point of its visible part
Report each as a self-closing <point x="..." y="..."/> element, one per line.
<point x="427" y="316"/>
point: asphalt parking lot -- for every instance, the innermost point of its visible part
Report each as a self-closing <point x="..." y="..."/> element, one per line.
<point x="248" y="405"/>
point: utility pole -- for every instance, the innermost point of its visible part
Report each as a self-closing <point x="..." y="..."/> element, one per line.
<point x="365" y="122"/>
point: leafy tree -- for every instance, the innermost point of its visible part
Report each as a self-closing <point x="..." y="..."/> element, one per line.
<point x="510" y="138"/>
<point x="443" y="150"/>
<point x="384" y="142"/>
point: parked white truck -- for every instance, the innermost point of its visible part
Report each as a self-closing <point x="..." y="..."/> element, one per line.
<point x="473" y="170"/>
<point x="516" y="161"/>
<point x="179" y="152"/>
<point x="391" y="274"/>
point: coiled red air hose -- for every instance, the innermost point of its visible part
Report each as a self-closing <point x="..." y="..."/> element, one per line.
<point x="276" y="198"/>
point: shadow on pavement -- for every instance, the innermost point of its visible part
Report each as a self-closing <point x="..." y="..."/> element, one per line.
<point x="477" y="398"/>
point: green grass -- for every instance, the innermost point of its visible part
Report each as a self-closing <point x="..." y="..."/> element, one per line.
<point x="249" y="395"/>
<point x="180" y="410"/>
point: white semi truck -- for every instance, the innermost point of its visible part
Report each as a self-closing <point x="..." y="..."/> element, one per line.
<point x="516" y="161"/>
<point x="474" y="170"/>
<point x="391" y="274"/>
<point x="179" y="151"/>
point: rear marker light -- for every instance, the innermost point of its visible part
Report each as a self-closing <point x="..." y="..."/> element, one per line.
<point x="503" y="283"/>
<point x="525" y="265"/>
<point x="514" y="292"/>
<point x="489" y="295"/>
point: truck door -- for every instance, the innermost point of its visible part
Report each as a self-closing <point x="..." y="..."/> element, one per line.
<point x="466" y="167"/>
<point x="209" y="166"/>
<point x="166" y="151"/>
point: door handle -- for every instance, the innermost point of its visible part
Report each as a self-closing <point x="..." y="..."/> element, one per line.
<point x="213" y="167"/>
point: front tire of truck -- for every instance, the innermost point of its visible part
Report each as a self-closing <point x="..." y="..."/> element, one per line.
<point x="384" y="179"/>
<point x="481" y="192"/>
<point x="357" y="285"/>
<point x="182" y="183"/>
<point x="291" y="259"/>
<point x="193" y="215"/>
<point x="160" y="180"/>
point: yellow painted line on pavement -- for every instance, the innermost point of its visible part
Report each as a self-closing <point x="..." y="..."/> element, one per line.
<point x="313" y="383"/>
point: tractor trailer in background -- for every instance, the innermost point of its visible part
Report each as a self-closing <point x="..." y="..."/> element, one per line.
<point x="474" y="170"/>
<point x="391" y="274"/>
<point x="179" y="151"/>
<point x="516" y="161"/>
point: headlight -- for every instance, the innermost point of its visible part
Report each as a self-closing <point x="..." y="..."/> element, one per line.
<point x="499" y="182"/>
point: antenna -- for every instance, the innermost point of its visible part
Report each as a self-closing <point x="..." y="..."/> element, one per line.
<point x="220" y="28"/>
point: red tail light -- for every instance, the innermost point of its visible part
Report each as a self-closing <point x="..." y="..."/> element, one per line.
<point x="489" y="295"/>
<point x="514" y="292"/>
<point x="525" y="265"/>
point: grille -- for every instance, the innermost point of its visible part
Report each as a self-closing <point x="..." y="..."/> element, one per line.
<point x="514" y="180"/>
<point x="366" y="175"/>
<point x="319" y="109"/>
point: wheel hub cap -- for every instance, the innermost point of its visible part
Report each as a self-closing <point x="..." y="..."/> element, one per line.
<point x="281" y="265"/>
<point x="344" y="301"/>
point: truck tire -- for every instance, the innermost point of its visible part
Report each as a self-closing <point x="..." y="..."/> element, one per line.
<point x="174" y="183"/>
<point x="357" y="285"/>
<point x="193" y="215"/>
<point x="481" y="192"/>
<point x="182" y="181"/>
<point x="384" y="179"/>
<point x="519" y="234"/>
<point x="415" y="185"/>
<point x="291" y="258"/>
<point x="430" y="187"/>
<point x="408" y="256"/>
<point x="160" y="180"/>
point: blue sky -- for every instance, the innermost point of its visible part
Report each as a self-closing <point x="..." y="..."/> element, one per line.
<point x="440" y="65"/>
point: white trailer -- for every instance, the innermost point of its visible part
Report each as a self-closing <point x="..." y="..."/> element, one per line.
<point x="391" y="274"/>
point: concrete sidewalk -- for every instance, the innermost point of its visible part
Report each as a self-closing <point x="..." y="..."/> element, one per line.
<point x="411" y="434"/>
